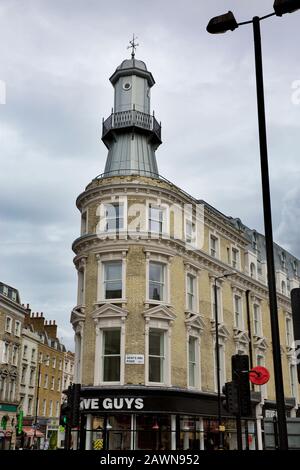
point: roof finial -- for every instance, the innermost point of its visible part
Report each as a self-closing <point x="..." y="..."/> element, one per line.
<point x="133" y="46"/>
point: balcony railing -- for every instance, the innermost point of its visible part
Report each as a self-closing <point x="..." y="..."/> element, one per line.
<point x="131" y="118"/>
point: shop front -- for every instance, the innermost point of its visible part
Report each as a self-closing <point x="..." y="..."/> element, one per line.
<point x="148" y="418"/>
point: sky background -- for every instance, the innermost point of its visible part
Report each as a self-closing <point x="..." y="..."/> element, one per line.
<point x="56" y="57"/>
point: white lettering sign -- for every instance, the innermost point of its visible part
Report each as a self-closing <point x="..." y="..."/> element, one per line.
<point x="134" y="359"/>
<point x="112" y="403"/>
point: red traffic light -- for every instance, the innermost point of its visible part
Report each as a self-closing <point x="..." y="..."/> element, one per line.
<point x="259" y="375"/>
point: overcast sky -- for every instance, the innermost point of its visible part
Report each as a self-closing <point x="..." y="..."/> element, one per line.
<point x="56" y="57"/>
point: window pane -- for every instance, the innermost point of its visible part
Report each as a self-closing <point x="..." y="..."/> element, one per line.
<point x="156" y="343"/>
<point x="111" y="369"/>
<point x="156" y="272"/>
<point x="155" y="369"/>
<point x="191" y="374"/>
<point x="111" y="342"/>
<point x="156" y="214"/>
<point x="192" y="349"/>
<point x="155" y="291"/>
<point x="113" y="290"/>
<point x="155" y="226"/>
<point x="113" y="270"/>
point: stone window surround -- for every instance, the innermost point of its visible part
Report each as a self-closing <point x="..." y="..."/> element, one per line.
<point x="232" y="248"/>
<point x="109" y="317"/>
<point x="157" y="203"/>
<point x="193" y="271"/>
<point x="288" y="317"/>
<point x="164" y="258"/>
<point x="159" y="318"/>
<point x="112" y="255"/>
<point x="81" y="271"/>
<point x="239" y="293"/>
<point x="100" y="212"/>
<point x="222" y="342"/>
<point x="212" y="233"/>
<point x="220" y="301"/>
<point x="257" y="301"/>
<point x="8" y="330"/>
<point x="195" y="332"/>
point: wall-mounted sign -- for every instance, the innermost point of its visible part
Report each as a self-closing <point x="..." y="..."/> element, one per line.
<point x="117" y="403"/>
<point x="134" y="359"/>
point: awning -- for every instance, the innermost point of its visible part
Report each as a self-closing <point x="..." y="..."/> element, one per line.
<point x="31" y="432"/>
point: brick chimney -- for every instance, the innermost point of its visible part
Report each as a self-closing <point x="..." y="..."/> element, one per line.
<point x="51" y="329"/>
<point x="37" y="321"/>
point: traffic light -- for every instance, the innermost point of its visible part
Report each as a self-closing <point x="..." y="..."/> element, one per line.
<point x="295" y="300"/>
<point x="230" y="390"/>
<point x="240" y="375"/>
<point x="64" y="414"/>
<point x="75" y="411"/>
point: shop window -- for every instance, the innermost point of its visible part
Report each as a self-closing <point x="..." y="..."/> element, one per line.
<point x="111" y="356"/>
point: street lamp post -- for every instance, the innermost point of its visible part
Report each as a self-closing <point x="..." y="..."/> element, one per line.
<point x="221" y="24"/>
<point x="217" y="353"/>
<point x="37" y="402"/>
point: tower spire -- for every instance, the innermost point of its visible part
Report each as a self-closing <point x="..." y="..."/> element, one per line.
<point x="133" y="46"/>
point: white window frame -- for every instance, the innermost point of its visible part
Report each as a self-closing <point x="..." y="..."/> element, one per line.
<point x="101" y="211"/>
<point x="52" y="382"/>
<point x="219" y="301"/>
<point x="261" y="388"/>
<point x="17" y="328"/>
<point x="31" y="377"/>
<point x="50" y="408"/>
<point x="29" y="405"/>
<point x="197" y="385"/>
<point x="166" y="326"/>
<point x="157" y="204"/>
<point x="15" y="355"/>
<point x="8" y="329"/>
<point x="293" y="380"/>
<point x="103" y="330"/>
<point x="212" y="235"/>
<point x="241" y="313"/>
<point x="165" y="260"/>
<point x="5" y="290"/>
<point x="44" y="407"/>
<point x="253" y="274"/>
<point x="58" y="384"/>
<point x="84" y="222"/>
<point x="25" y="351"/>
<point x="46" y="381"/>
<point x="260" y="333"/>
<point x="236" y="264"/>
<point x="116" y="321"/>
<point x="102" y="258"/>
<point x="290" y="333"/>
<point x="222" y="358"/>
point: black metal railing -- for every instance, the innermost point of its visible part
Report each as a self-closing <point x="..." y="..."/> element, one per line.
<point x="131" y="118"/>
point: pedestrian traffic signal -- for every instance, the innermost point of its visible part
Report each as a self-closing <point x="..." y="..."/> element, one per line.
<point x="64" y="414"/>
<point x="240" y="375"/>
<point x="230" y="390"/>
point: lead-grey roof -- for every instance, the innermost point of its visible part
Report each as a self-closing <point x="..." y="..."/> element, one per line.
<point x="132" y="63"/>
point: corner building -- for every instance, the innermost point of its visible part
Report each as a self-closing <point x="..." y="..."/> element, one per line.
<point x="147" y="259"/>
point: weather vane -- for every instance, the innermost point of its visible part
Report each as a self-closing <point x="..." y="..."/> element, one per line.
<point x="133" y="46"/>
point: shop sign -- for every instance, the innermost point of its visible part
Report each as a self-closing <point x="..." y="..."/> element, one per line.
<point x="134" y="359"/>
<point x="117" y="403"/>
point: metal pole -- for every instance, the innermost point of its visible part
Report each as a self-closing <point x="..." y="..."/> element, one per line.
<point x="37" y="402"/>
<point x="280" y="403"/>
<point x="249" y="332"/>
<point x="218" y="366"/>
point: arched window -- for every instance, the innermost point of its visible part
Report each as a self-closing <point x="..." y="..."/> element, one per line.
<point x="252" y="270"/>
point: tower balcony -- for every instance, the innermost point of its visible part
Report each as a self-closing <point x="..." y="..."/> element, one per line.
<point x="131" y="121"/>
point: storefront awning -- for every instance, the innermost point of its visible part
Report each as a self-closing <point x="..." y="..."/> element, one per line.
<point x="31" y="432"/>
